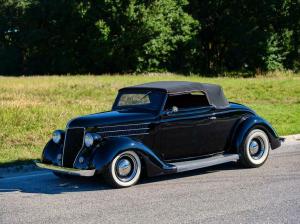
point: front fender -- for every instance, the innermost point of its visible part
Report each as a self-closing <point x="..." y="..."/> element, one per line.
<point x="111" y="147"/>
<point x="50" y="152"/>
<point x="249" y="123"/>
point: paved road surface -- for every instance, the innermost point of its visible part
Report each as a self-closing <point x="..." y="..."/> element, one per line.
<point x="222" y="194"/>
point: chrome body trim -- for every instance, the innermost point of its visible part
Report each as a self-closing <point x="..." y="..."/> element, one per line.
<point x="63" y="151"/>
<point x="102" y="132"/>
<point x="82" y="146"/>
<point x="70" y="171"/>
<point x="146" y="133"/>
<point x="135" y="129"/>
<point x="122" y="125"/>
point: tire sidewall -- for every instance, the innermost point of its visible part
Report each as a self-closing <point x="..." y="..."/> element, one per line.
<point x="247" y="159"/>
<point x="114" y="180"/>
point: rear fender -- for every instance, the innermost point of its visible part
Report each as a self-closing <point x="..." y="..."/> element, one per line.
<point x="111" y="147"/>
<point x="247" y="125"/>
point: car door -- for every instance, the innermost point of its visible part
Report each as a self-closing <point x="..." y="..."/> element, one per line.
<point x="179" y="130"/>
<point x="221" y="129"/>
<point x="184" y="134"/>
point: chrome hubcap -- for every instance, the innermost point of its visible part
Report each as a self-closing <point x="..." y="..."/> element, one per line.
<point x="253" y="147"/>
<point x="256" y="148"/>
<point x="126" y="168"/>
<point x="123" y="167"/>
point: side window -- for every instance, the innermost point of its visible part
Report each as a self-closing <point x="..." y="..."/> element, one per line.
<point x="187" y="101"/>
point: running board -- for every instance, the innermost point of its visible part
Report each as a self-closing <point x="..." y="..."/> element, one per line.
<point x="201" y="163"/>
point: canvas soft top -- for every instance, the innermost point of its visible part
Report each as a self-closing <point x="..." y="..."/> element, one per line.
<point x="213" y="92"/>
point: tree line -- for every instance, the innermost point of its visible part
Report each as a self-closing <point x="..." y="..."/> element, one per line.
<point x="110" y="36"/>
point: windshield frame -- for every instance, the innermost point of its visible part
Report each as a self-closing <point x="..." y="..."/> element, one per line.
<point x="142" y="106"/>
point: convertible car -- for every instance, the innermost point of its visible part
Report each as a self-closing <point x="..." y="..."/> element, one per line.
<point x="160" y="128"/>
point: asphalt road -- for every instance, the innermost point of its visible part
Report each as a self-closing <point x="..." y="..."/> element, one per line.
<point x="221" y="194"/>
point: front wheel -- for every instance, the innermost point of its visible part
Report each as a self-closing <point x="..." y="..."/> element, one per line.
<point x="256" y="148"/>
<point x="124" y="170"/>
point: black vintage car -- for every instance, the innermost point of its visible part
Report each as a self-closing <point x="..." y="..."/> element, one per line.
<point x="160" y="128"/>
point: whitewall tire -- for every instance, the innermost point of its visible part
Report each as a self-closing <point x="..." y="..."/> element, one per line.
<point x="255" y="149"/>
<point x="124" y="170"/>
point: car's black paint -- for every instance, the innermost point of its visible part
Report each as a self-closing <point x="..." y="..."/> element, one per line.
<point x="161" y="138"/>
<point x="254" y="121"/>
<point x="50" y="153"/>
<point x="111" y="118"/>
<point x="113" y="146"/>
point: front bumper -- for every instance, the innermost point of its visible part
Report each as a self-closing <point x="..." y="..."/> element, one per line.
<point x="66" y="170"/>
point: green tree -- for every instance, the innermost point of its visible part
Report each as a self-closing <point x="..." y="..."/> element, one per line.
<point x="60" y="36"/>
<point x="138" y="35"/>
<point x="244" y="35"/>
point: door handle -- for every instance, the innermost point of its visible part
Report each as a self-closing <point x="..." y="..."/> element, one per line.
<point x="213" y="118"/>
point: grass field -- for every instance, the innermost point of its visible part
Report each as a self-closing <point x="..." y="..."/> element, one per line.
<point x="32" y="107"/>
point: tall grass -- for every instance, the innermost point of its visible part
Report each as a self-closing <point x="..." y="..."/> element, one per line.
<point x="32" y="107"/>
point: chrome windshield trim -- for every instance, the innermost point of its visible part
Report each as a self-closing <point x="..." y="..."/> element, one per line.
<point x="70" y="171"/>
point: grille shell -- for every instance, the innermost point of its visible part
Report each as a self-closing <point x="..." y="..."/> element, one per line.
<point x="74" y="140"/>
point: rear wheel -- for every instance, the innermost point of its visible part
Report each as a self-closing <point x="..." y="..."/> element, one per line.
<point x="124" y="170"/>
<point x="256" y="148"/>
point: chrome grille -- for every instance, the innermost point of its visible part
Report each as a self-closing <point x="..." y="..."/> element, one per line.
<point x="73" y="144"/>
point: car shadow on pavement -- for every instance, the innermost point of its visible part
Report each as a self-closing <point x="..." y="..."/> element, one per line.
<point x="202" y="171"/>
<point x="47" y="183"/>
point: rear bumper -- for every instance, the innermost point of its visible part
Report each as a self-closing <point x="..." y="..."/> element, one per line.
<point x="70" y="171"/>
<point x="276" y="142"/>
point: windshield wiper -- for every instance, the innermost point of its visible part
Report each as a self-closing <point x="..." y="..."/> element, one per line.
<point x="146" y="94"/>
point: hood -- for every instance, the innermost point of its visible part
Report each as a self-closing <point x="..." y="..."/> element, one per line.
<point x="111" y="118"/>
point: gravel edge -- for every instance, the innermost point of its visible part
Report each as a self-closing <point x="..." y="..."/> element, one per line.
<point x="292" y="137"/>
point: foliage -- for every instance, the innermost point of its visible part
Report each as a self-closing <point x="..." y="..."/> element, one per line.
<point x="60" y="36"/>
<point x="246" y="35"/>
<point x="276" y="50"/>
<point x="94" y="36"/>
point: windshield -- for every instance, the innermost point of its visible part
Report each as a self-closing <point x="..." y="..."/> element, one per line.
<point x="144" y="99"/>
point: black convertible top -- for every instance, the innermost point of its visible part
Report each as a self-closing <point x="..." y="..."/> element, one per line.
<point x="213" y="92"/>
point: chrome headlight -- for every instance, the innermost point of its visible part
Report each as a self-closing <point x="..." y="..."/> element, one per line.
<point x="91" y="138"/>
<point x="58" y="136"/>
